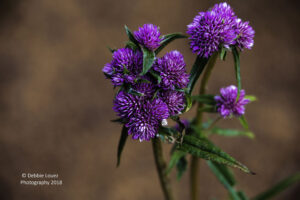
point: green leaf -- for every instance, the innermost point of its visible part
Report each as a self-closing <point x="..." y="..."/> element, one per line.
<point x="134" y="92"/>
<point x="167" y="131"/>
<point x="148" y="59"/>
<point x="176" y="156"/>
<point x="244" y="122"/>
<point x="196" y="71"/>
<point x="223" y="179"/>
<point x="242" y="195"/>
<point x="111" y="50"/>
<point x="251" y="98"/>
<point x="203" y="148"/>
<point x="181" y="167"/>
<point x="131" y="45"/>
<point x="231" y="132"/>
<point x="205" y="99"/>
<point x="188" y="102"/>
<point x="223" y="54"/>
<point x="156" y="76"/>
<point x="119" y="120"/>
<point x="236" y="58"/>
<point x="167" y="39"/>
<point x="279" y="187"/>
<point x="122" y="142"/>
<point x="130" y="36"/>
<point x="225" y="171"/>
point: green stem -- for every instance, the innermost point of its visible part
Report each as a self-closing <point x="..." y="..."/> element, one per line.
<point x="198" y="122"/>
<point x="161" y="169"/>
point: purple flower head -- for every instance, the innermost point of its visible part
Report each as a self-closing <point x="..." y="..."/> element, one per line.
<point x="245" y="34"/>
<point x="175" y="101"/>
<point x="172" y="70"/>
<point x="125" y="105"/>
<point x="143" y="125"/>
<point x="212" y="29"/>
<point x="124" y="67"/>
<point x="149" y="36"/>
<point x="227" y="104"/>
<point x="224" y="9"/>
<point x="146" y="88"/>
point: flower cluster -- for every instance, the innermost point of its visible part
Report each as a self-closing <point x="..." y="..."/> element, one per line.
<point x="228" y="104"/>
<point x="145" y="102"/>
<point x="216" y="28"/>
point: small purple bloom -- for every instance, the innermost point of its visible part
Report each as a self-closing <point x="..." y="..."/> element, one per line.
<point x="211" y="30"/>
<point x="172" y="70"/>
<point x="175" y="101"/>
<point x="125" y="105"/>
<point x="149" y="36"/>
<point x="124" y="67"/>
<point x="245" y="34"/>
<point x="146" y="88"/>
<point x="143" y="125"/>
<point x="227" y="104"/>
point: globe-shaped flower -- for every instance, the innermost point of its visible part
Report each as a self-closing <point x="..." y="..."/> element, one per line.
<point x="124" y="67"/>
<point x="172" y="70"/>
<point x="149" y="36"/>
<point x="145" y="87"/>
<point x="228" y="104"/>
<point x="125" y="105"/>
<point x="175" y="101"/>
<point x="245" y="34"/>
<point x="211" y="30"/>
<point x="143" y="125"/>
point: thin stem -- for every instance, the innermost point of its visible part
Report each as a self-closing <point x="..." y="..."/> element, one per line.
<point x="198" y="122"/>
<point x="161" y="169"/>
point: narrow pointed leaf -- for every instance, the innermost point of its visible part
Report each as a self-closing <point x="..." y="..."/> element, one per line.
<point x="205" y="99"/>
<point x="196" y="71"/>
<point x="130" y="36"/>
<point x="167" y="39"/>
<point x="122" y="142"/>
<point x="225" y="171"/>
<point x="242" y="195"/>
<point x="279" y="187"/>
<point x="111" y="50"/>
<point x="188" y="102"/>
<point x="156" y="76"/>
<point x="148" y="59"/>
<point x="223" y="54"/>
<point x="131" y="45"/>
<point x="244" y="122"/>
<point x="231" y="132"/>
<point x="223" y="179"/>
<point x="236" y="58"/>
<point x="176" y="156"/>
<point x="251" y="98"/>
<point x="181" y="167"/>
<point x="203" y="148"/>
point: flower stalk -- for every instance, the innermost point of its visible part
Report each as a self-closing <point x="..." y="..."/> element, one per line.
<point x="194" y="170"/>
<point x="161" y="169"/>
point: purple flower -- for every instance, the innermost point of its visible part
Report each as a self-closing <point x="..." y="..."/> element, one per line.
<point x="125" y="105"/>
<point x="124" y="67"/>
<point x="149" y="36"/>
<point x="172" y="70"/>
<point x="175" y="101"/>
<point x="211" y="30"/>
<point x="146" y="88"/>
<point x="245" y="34"/>
<point x="143" y="125"/>
<point x="227" y="104"/>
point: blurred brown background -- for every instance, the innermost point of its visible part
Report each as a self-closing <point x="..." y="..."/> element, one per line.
<point x="56" y="104"/>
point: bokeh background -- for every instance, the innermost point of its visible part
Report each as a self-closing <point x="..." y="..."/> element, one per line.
<point x="55" y="104"/>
